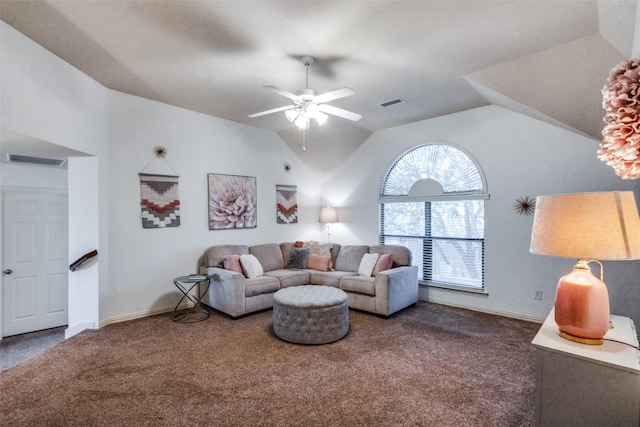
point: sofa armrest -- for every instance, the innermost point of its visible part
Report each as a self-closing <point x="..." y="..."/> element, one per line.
<point x="396" y="289"/>
<point x="226" y="291"/>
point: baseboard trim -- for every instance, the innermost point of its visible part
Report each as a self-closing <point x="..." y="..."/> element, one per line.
<point x="472" y="307"/>
<point x="163" y="310"/>
<point x="77" y="328"/>
<point x="141" y="314"/>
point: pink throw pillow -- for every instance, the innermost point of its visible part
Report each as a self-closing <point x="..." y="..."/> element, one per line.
<point x="385" y="261"/>
<point x="318" y="262"/>
<point x="232" y="262"/>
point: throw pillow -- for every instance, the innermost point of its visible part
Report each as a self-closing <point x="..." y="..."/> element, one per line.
<point x="320" y="248"/>
<point x="298" y="244"/>
<point x="367" y="264"/>
<point x="385" y="261"/>
<point x="298" y="258"/>
<point x="232" y="263"/>
<point x="318" y="262"/>
<point x="251" y="266"/>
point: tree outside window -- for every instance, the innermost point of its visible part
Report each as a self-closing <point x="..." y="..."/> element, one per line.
<point x="432" y="201"/>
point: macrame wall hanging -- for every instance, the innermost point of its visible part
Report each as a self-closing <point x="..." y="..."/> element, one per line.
<point x="286" y="201"/>
<point x="159" y="198"/>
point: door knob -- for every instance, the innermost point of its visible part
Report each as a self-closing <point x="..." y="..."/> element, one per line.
<point x="8" y="271"/>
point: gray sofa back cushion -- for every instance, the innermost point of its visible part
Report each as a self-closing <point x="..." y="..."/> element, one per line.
<point x="401" y="254"/>
<point x="349" y="257"/>
<point x="213" y="255"/>
<point x="269" y="255"/>
<point x="286" y="249"/>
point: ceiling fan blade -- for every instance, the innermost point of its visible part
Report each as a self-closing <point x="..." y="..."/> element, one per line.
<point x="284" y="93"/>
<point x="273" y="110"/>
<point x="333" y="95"/>
<point x="335" y="111"/>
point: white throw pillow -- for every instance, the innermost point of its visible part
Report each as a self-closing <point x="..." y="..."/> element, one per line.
<point x="251" y="266"/>
<point x="367" y="264"/>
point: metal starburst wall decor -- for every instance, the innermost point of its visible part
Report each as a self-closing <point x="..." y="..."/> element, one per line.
<point x="160" y="151"/>
<point x="525" y="205"/>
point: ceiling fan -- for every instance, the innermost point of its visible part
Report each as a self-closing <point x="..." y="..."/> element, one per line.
<point x="307" y="104"/>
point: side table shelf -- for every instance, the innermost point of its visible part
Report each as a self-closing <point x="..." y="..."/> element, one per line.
<point x="198" y="312"/>
<point x="588" y="385"/>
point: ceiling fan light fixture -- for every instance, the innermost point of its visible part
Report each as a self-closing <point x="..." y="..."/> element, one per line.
<point x="314" y="113"/>
<point x="321" y="118"/>
<point x="308" y="104"/>
<point x="302" y="122"/>
<point x="292" y="114"/>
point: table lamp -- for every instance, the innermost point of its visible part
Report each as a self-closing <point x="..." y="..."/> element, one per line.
<point x="586" y="226"/>
<point x="327" y="216"/>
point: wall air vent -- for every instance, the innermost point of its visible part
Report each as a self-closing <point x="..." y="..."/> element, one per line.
<point x="392" y="102"/>
<point x="35" y="161"/>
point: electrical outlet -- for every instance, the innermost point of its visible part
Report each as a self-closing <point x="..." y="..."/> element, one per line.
<point x="538" y="294"/>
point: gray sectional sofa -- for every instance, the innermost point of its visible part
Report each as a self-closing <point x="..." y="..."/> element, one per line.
<point x="233" y="293"/>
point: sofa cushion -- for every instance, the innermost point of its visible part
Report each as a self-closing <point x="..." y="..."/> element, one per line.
<point x="260" y="285"/>
<point x="349" y="257"/>
<point x="319" y="262"/>
<point x="298" y="258"/>
<point x="290" y="277"/>
<point x="286" y="248"/>
<point x="269" y="255"/>
<point x="328" y="278"/>
<point x="401" y="254"/>
<point x="215" y="254"/>
<point x="359" y="284"/>
<point x="251" y="266"/>
<point x="232" y="263"/>
<point x="367" y="264"/>
<point x="385" y="261"/>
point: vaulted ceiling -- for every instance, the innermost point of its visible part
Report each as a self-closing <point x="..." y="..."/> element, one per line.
<point x="547" y="59"/>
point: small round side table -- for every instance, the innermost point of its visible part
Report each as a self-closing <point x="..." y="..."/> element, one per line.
<point x="198" y="312"/>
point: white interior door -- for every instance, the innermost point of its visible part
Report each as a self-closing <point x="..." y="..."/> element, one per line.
<point x="35" y="251"/>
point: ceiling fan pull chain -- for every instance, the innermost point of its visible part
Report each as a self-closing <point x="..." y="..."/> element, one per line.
<point x="304" y="140"/>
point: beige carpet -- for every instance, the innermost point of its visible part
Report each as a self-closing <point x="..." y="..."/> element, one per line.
<point x="429" y="365"/>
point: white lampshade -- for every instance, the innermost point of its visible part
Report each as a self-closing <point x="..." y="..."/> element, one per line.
<point x="328" y="215"/>
<point x="601" y="226"/>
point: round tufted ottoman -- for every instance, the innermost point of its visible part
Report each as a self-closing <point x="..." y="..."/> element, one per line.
<point x="310" y="314"/>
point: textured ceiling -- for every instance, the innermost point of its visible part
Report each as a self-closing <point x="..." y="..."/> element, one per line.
<point x="548" y="59"/>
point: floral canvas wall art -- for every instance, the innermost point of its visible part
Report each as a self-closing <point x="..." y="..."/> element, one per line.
<point x="232" y="202"/>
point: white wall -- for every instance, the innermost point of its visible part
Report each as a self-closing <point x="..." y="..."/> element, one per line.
<point x="12" y="175"/>
<point x="143" y="262"/>
<point x="83" y="238"/>
<point x="44" y="97"/>
<point x="519" y="156"/>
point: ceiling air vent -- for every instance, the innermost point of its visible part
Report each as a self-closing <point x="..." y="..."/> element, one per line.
<point x="392" y="102"/>
<point x="35" y="161"/>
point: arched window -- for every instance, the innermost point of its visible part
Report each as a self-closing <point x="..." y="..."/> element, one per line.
<point x="432" y="201"/>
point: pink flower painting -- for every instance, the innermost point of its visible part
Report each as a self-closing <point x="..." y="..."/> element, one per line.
<point x="232" y="202"/>
<point x="620" y="145"/>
